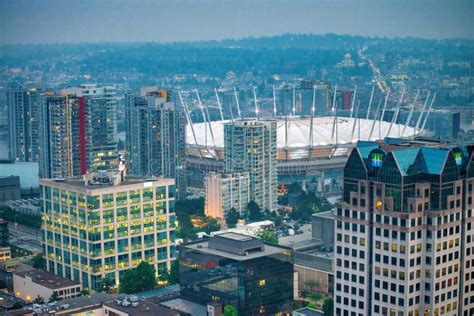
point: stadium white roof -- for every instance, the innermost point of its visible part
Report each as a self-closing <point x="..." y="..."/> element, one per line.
<point x="299" y="128"/>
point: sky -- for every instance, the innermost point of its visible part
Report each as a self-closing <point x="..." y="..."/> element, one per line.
<point x="51" y="21"/>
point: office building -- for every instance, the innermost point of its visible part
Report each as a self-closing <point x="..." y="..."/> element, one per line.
<point x="251" y="146"/>
<point x="155" y="138"/>
<point x="23" y="108"/>
<point x="255" y="278"/>
<point x="404" y="230"/>
<point x="105" y="224"/>
<point x="226" y="191"/>
<point x="93" y="127"/>
<point x="30" y="284"/>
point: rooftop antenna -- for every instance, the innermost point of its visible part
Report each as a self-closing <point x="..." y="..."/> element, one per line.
<point x="237" y="102"/>
<point x="383" y="113"/>
<point x="422" y="111"/>
<point x="219" y="104"/>
<point x="188" y="118"/>
<point x="370" y="102"/>
<point x="208" y="120"/>
<point x="353" y="100"/>
<point x="274" y="103"/>
<point x="256" y="104"/>
<point x="411" y="112"/>
<point x="428" y="113"/>
<point x="395" y="115"/>
<point x="313" y="109"/>
<point x="377" y="111"/>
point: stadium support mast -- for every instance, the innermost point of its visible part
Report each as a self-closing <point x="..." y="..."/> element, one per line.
<point x="188" y="118"/>
<point x="383" y="113"/>
<point x="313" y="109"/>
<point x="353" y="100"/>
<point x="428" y="113"/>
<point x="334" y="110"/>
<point x="370" y="102"/>
<point x="294" y="101"/>
<point x="274" y="103"/>
<point x="355" y="120"/>
<point x="257" y="114"/>
<point x="411" y="112"/>
<point x="395" y="115"/>
<point x="286" y="127"/>
<point x="219" y="104"/>
<point x="237" y="103"/>
<point x="374" y="120"/>
<point x="422" y="111"/>
<point x="208" y="120"/>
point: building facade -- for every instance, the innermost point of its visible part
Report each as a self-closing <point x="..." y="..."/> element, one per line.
<point x="23" y="110"/>
<point x="255" y="278"/>
<point x="30" y="284"/>
<point x="226" y="191"/>
<point x="251" y="146"/>
<point x="404" y="230"/>
<point x="94" y="127"/>
<point x="105" y="224"/>
<point x="155" y="138"/>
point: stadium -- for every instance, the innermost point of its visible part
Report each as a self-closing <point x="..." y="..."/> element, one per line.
<point x="306" y="152"/>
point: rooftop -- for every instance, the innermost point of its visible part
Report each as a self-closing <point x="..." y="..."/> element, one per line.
<point x="143" y="307"/>
<point x="236" y="246"/>
<point x="306" y="311"/>
<point x="47" y="279"/>
<point x="298" y="135"/>
<point x="187" y="307"/>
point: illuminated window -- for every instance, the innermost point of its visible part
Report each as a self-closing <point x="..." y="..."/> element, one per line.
<point x="378" y="204"/>
<point x="261" y="283"/>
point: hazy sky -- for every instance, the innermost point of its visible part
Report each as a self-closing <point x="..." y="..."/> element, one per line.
<point x="38" y="21"/>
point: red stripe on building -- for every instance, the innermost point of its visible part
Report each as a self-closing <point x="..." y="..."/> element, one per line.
<point x="82" y="135"/>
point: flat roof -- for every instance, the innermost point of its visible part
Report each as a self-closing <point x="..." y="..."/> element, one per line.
<point x="47" y="279"/>
<point x="79" y="183"/>
<point x="203" y="247"/>
<point x="185" y="306"/>
<point x="235" y="236"/>
<point x="88" y="301"/>
<point x="144" y="308"/>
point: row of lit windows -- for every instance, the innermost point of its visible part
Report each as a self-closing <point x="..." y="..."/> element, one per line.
<point x="353" y="240"/>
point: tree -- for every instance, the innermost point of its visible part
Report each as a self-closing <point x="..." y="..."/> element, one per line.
<point x="232" y="218"/>
<point x="141" y="278"/>
<point x="311" y="284"/>
<point x="230" y="310"/>
<point x="212" y="225"/>
<point x="254" y="212"/>
<point x="106" y="284"/>
<point x="171" y="276"/>
<point x="37" y="261"/>
<point x="39" y="300"/>
<point x="328" y="306"/>
<point x="304" y="294"/>
<point x="268" y="236"/>
<point x="54" y="297"/>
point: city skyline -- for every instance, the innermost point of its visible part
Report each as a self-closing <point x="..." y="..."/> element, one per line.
<point x="187" y="20"/>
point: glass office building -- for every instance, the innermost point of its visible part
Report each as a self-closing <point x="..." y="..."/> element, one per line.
<point x="106" y="224"/>
<point x="239" y="270"/>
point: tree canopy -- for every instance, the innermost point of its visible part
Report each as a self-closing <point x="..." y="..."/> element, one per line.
<point x="328" y="306"/>
<point x="141" y="278"/>
<point x="268" y="236"/>
<point x="232" y="217"/>
<point x="254" y="212"/>
<point x="230" y="310"/>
